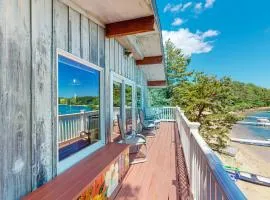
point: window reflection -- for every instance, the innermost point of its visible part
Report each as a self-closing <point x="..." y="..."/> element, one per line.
<point x="139" y="103"/>
<point x="116" y="110"/>
<point x="78" y="106"/>
<point x="128" y="108"/>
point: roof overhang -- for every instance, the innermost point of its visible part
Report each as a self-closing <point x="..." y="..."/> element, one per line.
<point x="135" y="25"/>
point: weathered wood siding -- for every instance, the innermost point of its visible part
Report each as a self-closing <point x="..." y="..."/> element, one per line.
<point x="15" y="99"/>
<point x="121" y="64"/>
<point x="30" y="33"/>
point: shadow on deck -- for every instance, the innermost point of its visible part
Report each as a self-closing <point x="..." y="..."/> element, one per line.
<point x="164" y="175"/>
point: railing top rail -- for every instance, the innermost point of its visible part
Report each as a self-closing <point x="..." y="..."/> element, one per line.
<point x="227" y="185"/>
<point x="78" y="114"/>
<point x="157" y="107"/>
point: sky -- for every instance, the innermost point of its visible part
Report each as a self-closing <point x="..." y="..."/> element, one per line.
<point x="223" y="37"/>
<point x="75" y="79"/>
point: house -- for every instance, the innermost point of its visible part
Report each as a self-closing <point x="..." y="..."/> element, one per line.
<point x="67" y="69"/>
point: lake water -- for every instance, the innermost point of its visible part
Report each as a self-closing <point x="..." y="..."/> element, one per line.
<point x="259" y="131"/>
<point x="68" y="109"/>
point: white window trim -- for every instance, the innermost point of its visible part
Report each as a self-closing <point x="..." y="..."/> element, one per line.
<point x="124" y="81"/>
<point x="78" y="156"/>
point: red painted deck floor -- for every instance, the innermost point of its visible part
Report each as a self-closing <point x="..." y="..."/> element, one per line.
<point x="158" y="178"/>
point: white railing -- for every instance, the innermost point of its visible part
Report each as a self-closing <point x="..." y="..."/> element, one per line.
<point x="70" y="126"/>
<point x="163" y="113"/>
<point x="207" y="177"/>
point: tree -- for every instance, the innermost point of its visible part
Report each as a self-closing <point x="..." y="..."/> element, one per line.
<point x="207" y="100"/>
<point x="177" y="64"/>
<point x="176" y="73"/>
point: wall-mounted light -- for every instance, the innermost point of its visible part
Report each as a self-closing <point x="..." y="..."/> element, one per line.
<point x="128" y="53"/>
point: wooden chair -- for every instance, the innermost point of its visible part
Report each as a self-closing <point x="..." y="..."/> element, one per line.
<point x="136" y="141"/>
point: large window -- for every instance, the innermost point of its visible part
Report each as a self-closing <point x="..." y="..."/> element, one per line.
<point x="79" y="104"/>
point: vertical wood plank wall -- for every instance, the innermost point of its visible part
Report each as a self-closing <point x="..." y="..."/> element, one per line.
<point x="15" y="99"/>
<point x="30" y="33"/>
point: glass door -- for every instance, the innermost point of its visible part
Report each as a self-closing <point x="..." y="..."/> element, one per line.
<point x="128" y="108"/>
<point x="117" y="104"/>
<point x="138" y="105"/>
<point x="123" y="103"/>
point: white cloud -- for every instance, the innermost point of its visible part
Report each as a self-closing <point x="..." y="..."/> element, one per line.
<point x="198" y="7"/>
<point x="177" y="22"/>
<point x="176" y="8"/>
<point x="209" y="3"/>
<point x="172" y="8"/>
<point x="186" y="6"/>
<point x="210" y="33"/>
<point x="167" y="7"/>
<point x="191" y="43"/>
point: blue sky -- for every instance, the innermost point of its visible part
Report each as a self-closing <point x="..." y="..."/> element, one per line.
<point x="75" y="79"/>
<point x="223" y="37"/>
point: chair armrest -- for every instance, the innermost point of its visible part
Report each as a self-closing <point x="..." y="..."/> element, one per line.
<point x="141" y="136"/>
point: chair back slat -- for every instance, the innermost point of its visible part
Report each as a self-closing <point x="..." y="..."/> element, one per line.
<point x="141" y="117"/>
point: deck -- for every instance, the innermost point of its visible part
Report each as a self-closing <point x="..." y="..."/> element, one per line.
<point x="158" y="177"/>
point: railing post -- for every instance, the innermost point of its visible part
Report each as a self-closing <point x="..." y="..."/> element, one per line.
<point x="82" y="120"/>
<point x="194" y="129"/>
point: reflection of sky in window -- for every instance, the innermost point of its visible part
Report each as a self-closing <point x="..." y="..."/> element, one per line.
<point x="76" y="79"/>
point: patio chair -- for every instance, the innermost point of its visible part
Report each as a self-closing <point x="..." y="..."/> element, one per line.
<point x="136" y="141"/>
<point x="154" y="117"/>
<point x="148" y="126"/>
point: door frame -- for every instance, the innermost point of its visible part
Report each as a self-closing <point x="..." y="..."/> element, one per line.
<point x="114" y="77"/>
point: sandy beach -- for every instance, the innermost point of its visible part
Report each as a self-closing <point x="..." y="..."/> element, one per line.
<point x="252" y="159"/>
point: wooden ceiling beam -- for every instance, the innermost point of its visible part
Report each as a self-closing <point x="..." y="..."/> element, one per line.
<point x="130" y="27"/>
<point x="150" y="60"/>
<point x="156" y="83"/>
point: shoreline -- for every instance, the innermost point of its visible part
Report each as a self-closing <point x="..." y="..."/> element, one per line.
<point x="249" y="158"/>
<point x="252" y="110"/>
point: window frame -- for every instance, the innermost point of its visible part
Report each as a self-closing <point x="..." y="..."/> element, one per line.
<point x="114" y="77"/>
<point x="83" y="153"/>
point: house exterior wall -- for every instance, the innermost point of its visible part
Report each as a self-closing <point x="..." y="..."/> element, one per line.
<point x="30" y="33"/>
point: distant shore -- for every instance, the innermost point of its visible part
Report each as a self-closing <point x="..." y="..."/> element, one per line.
<point x="252" y="110"/>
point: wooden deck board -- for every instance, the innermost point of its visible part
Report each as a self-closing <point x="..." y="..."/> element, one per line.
<point x="156" y="178"/>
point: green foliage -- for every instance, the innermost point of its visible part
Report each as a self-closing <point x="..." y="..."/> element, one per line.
<point x="215" y="128"/>
<point x="176" y="72"/>
<point x="247" y="96"/>
<point x="90" y="101"/>
<point x="206" y="99"/>
<point x="159" y="97"/>
<point x="128" y="94"/>
<point x="116" y="94"/>
<point x="177" y="64"/>
<point x="202" y="93"/>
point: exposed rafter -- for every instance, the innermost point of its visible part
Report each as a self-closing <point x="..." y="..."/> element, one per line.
<point x="130" y="27"/>
<point x="156" y="83"/>
<point x="150" y="60"/>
